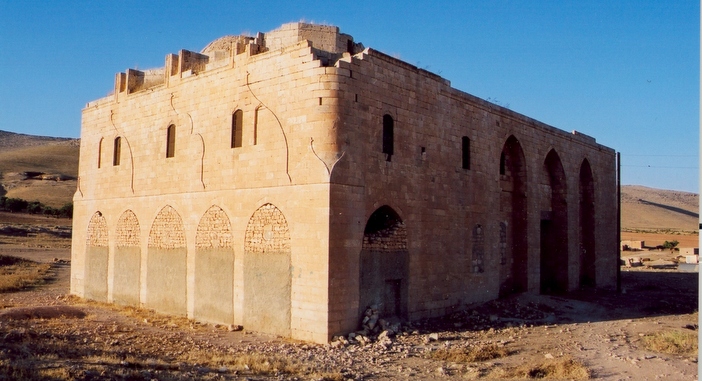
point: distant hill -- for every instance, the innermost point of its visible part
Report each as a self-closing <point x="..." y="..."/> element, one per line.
<point x="45" y="169"/>
<point x="38" y="168"/>
<point x="651" y="208"/>
<point x="10" y="140"/>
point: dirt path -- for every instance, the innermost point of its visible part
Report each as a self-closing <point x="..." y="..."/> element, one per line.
<point x="603" y="331"/>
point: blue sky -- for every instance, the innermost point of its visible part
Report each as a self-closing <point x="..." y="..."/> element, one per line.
<point x="625" y="72"/>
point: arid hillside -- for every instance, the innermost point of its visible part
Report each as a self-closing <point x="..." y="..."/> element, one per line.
<point x="38" y="168"/>
<point x="653" y="209"/>
<point x="45" y="169"/>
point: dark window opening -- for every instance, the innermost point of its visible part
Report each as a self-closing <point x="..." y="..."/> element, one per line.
<point x="349" y="46"/>
<point x="502" y="163"/>
<point x="100" y="153"/>
<point x="465" y="143"/>
<point x="117" y="152"/>
<point x="356" y="98"/>
<point x="320" y="101"/>
<point x="170" y="141"/>
<point x="388" y="136"/>
<point x="237" y="127"/>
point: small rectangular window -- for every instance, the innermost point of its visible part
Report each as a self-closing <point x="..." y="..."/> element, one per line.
<point x="502" y="163"/>
<point x="465" y="143"/>
<point x="170" y="141"/>
<point x="237" y="127"/>
<point x="99" y="163"/>
<point x="117" y="152"/>
<point x="388" y="136"/>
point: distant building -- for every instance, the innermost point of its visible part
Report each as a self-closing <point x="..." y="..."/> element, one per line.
<point x="287" y="181"/>
<point x="633" y="245"/>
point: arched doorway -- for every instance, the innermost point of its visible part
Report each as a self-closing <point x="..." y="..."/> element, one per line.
<point x="96" y="258"/>
<point x="166" y="265"/>
<point x="554" y="228"/>
<point x="267" y="272"/>
<point x="214" y="268"/>
<point x="587" y="226"/>
<point x="513" y="212"/>
<point x="127" y="260"/>
<point x="384" y="265"/>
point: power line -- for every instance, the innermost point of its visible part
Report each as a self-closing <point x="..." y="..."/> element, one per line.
<point x="662" y="155"/>
<point x="656" y="166"/>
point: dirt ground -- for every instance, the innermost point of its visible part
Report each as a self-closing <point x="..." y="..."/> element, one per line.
<point x="604" y="331"/>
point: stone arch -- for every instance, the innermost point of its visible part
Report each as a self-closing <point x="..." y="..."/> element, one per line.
<point x="384" y="268"/>
<point x="166" y="264"/>
<point x="587" y="226"/>
<point x="513" y="210"/>
<point x="96" y="258"/>
<point x="127" y="268"/>
<point x="554" y="228"/>
<point x="214" y="268"/>
<point x="267" y="272"/>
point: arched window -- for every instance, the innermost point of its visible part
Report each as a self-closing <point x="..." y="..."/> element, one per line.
<point x="170" y="140"/>
<point x="99" y="163"/>
<point x="465" y="143"/>
<point x="237" y="119"/>
<point x="388" y="136"/>
<point x="117" y="153"/>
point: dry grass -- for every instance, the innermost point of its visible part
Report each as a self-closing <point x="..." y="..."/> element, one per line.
<point x="672" y="342"/>
<point x="472" y="354"/>
<point x="18" y="273"/>
<point x="128" y="356"/>
<point x="558" y="369"/>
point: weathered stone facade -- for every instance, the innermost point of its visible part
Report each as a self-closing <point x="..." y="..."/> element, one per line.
<point x="287" y="181"/>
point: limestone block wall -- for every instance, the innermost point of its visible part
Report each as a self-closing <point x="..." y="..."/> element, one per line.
<point x="287" y="181"/>
<point x="179" y="198"/>
<point x="474" y="185"/>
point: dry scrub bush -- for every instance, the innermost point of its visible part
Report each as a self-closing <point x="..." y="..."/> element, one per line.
<point x="472" y="354"/>
<point x="672" y="342"/>
<point x="18" y="273"/>
<point x="565" y="368"/>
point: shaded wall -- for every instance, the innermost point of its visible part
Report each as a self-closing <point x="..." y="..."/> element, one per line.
<point x="384" y="268"/>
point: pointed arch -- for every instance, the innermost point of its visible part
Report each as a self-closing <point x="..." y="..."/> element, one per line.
<point x="384" y="267"/>
<point x="513" y="210"/>
<point x="267" y="277"/>
<point x="587" y="235"/>
<point x="554" y="228"/>
<point x="96" y="258"/>
<point x="127" y="268"/>
<point x="214" y="268"/>
<point x="166" y="264"/>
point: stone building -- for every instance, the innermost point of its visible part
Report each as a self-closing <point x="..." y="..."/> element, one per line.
<point x="285" y="182"/>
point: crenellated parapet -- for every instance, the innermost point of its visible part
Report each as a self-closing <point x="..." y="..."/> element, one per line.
<point x="327" y="44"/>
